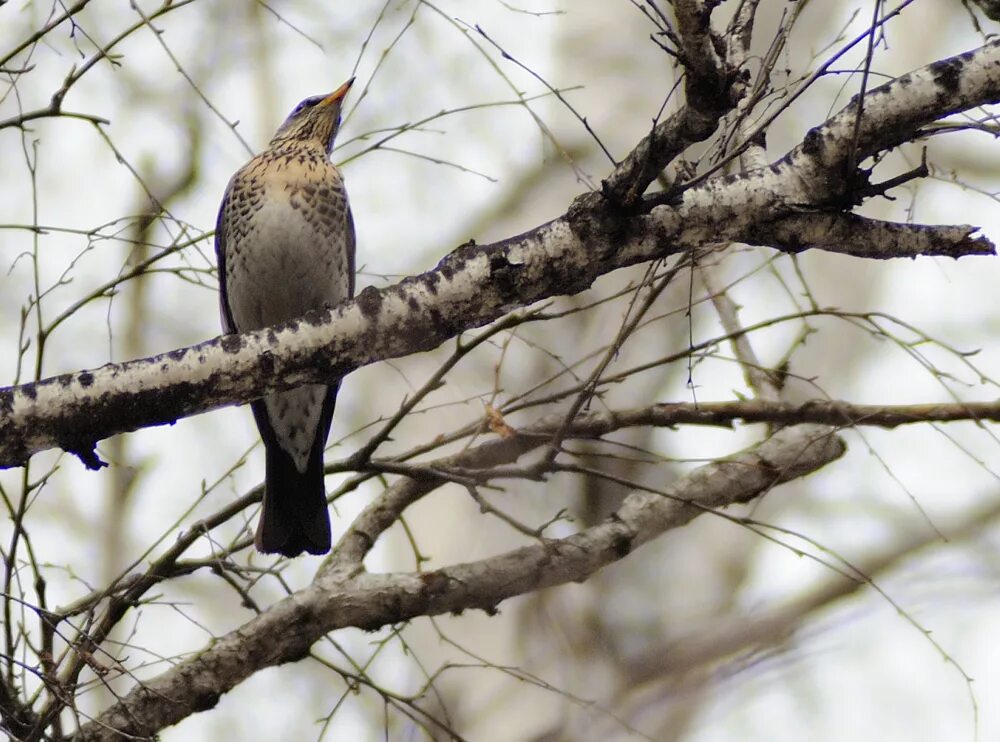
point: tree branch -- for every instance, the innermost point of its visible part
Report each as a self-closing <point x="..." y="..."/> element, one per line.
<point x="340" y="598"/>
<point x="709" y="95"/>
<point x="476" y="284"/>
<point x="862" y="237"/>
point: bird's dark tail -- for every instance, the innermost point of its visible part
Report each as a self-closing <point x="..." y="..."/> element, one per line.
<point x="294" y="517"/>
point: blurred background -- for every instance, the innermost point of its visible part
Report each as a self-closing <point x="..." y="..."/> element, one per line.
<point x="714" y="631"/>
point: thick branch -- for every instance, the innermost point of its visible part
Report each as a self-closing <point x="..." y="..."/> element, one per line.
<point x="893" y="112"/>
<point x="285" y="632"/>
<point x="477" y="284"/>
<point x="862" y="237"/>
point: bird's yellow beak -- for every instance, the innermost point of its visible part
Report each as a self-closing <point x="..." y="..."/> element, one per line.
<point x="337" y="94"/>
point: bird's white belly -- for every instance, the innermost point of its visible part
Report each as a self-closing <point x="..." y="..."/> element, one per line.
<point x="285" y="268"/>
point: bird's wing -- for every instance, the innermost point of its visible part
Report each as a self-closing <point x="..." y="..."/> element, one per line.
<point x="228" y="326"/>
<point x="349" y="244"/>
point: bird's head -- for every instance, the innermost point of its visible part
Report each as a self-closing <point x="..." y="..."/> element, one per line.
<point x="316" y="119"/>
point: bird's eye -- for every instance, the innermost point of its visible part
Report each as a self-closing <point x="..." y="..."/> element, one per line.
<point x="307" y="103"/>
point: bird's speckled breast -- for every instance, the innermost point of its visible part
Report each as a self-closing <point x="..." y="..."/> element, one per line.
<point x="286" y="240"/>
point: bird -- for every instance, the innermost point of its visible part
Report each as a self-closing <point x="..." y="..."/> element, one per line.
<point x="284" y="243"/>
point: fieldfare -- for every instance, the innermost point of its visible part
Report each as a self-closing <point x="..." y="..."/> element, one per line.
<point x="284" y="242"/>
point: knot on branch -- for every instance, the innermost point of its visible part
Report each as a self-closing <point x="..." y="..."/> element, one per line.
<point x="600" y="222"/>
